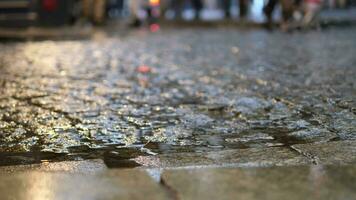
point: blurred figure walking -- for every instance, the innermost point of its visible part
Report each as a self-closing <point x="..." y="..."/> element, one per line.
<point x="197" y="6"/>
<point x="311" y="9"/>
<point x="144" y="9"/>
<point x="308" y="10"/>
<point x="288" y="8"/>
<point x="135" y="7"/>
<point x="178" y="7"/>
<point x="243" y="8"/>
<point x="94" y="10"/>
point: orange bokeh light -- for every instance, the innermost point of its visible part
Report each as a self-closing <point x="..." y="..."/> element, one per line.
<point x="154" y="2"/>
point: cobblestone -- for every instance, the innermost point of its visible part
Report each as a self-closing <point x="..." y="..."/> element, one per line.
<point x="123" y="184"/>
<point x="252" y="157"/>
<point x="207" y="90"/>
<point x="332" y="153"/>
<point x="315" y="182"/>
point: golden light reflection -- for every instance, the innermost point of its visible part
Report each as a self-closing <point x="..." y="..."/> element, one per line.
<point x="40" y="187"/>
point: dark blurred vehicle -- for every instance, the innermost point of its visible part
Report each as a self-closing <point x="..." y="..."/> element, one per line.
<point x="21" y="13"/>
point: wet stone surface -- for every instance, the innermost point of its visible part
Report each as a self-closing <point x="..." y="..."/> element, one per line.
<point x="119" y="184"/>
<point x="82" y="167"/>
<point x="314" y="182"/>
<point x="176" y="91"/>
<point x="332" y="153"/>
<point x="251" y="157"/>
<point x="305" y="182"/>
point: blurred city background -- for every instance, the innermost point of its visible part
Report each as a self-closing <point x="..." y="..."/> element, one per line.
<point x="19" y="13"/>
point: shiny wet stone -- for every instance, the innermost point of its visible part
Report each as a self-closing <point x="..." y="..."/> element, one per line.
<point x="123" y="184"/>
<point x="252" y="157"/>
<point x="277" y="183"/>
<point x="332" y="153"/>
<point x="85" y="166"/>
<point x="199" y="90"/>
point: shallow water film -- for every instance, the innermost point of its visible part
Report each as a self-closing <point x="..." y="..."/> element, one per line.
<point x="179" y="90"/>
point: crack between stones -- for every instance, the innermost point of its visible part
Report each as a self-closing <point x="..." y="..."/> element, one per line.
<point x="173" y="193"/>
<point x="314" y="159"/>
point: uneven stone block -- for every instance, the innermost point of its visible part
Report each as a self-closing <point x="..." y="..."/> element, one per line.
<point x="276" y="156"/>
<point x="116" y="184"/>
<point x="85" y="166"/>
<point x="276" y="183"/>
<point x="340" y="152"/>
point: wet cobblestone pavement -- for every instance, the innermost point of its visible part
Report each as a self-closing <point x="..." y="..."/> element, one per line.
<point x="199" y="90"/>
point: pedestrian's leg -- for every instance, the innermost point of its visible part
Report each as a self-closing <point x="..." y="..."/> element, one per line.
<point x="311" y="12"/>
<point x="243" y="4"/>
<point x="198" y="6"/>
<point x="176" y="5"/>
<point x="268" y="11"/>
<point x="287" y="13"/>
<point x="99" y="11"/>
<point x="135" y="6"/>
<point x="226" y="4"/>
<point x="287" y="9"/>
<point x="88" y="9"/>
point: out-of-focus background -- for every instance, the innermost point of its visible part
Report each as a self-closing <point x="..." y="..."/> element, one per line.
<point x="20" y="13"/>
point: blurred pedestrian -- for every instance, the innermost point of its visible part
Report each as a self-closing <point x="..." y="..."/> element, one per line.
<point x="177" y="6"/>
<point x="311" y="9"/>
<point x="288" y="8"/>
<point x="143" y="9"/>
<point x="197" y="6"/>
<point x="268" y="10"/>
<point x="135" y="7"/>
<point x="94" y="10"/>
<point x="226" y="4"/>
<point x="243" y="8"/>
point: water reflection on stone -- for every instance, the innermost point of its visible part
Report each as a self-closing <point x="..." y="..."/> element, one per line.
<point x="176" y="91"/>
